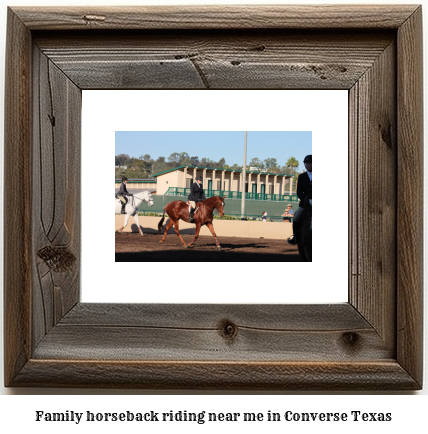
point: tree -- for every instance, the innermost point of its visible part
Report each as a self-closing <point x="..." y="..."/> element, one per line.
<point x="174" y="158"/>
<point x="120" y="173"/>
<point x="221" y="163"/>
<point x="149" y="165"/>
<point x="122" y="159"/>
<point x="137" y="168"/>
<point x="194" y="161"/>
<point x="286" y="170"/>
<point x="255" y="162"/>
<point x="184" y="159"/>
<point x="292" y="162"/>
<point x="135" y="164"/>
<point x="206" y="162"/>
<point x="274" y="169"/>
<point x="145" y="158"/>
<point x="160" y="165"/>
<point x="270" y="162"/>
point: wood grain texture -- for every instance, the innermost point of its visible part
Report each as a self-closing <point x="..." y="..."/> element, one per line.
<point x="373" y="162"/>
<point x="56" y="198"/>
<point x="16" y="211"/>
<point x="210" y="316"/>
<point x="216" y="60"/>
<point x="199" y="332"/>
<point x="411" y="193"/>
<point x="372" y="342"/>
<point x="216" y="375"/>
<point x="216" y="17"/>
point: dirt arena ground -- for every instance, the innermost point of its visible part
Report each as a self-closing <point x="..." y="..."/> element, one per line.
<point x="132" y="247"/>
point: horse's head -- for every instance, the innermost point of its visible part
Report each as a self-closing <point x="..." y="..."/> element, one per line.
<point x="149" y="199"/>
<point x="220" y="205"/>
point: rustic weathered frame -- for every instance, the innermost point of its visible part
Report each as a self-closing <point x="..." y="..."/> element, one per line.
<point x="372" y="342"/>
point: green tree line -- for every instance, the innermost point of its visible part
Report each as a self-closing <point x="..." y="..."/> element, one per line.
<point x="145" y="166"/>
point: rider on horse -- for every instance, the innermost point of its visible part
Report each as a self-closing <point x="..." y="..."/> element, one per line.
<point x="304" y="186"/>
<point x="122" y="193"/>
<point x="196" y="195"/>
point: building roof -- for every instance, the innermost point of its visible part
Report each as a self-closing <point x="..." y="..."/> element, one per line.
<point x="220" y="169"/>
<point x="136" y="180"/>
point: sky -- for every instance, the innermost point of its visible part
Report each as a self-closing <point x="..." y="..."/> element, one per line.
<point x="217" y="144"/>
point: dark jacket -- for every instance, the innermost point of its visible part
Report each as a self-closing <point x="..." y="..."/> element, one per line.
<point x="304" y="187"/>
<point x="122" y="190"/>
<point x="196" y="193"/>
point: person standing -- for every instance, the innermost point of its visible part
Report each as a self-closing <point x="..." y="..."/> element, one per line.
<point x="304" y="187"/>
<point x="196" y="195"/>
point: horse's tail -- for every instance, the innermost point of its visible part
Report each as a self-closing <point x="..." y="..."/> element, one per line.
<point x="161" y="222"/>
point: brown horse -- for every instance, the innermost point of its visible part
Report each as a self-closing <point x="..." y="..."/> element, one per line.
<point x="203" y="216"/>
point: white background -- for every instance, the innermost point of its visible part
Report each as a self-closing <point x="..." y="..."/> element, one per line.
<point x="325" y="113"/>
<point x="17" y="412"/>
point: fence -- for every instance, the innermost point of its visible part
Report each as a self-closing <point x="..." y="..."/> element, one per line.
<point x="253" y="208"/>
<point x="228" y="216"/>
<point x="181" y="191"/>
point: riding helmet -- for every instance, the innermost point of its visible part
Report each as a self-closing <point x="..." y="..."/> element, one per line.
<point x="308" y="159"/>
<point x="124" y="179"/>
<point x="199" y="178"/>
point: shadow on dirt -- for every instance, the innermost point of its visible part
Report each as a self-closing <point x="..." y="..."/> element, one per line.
<point x="193" y="255"/>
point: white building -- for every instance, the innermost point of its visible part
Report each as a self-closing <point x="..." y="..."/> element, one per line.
<point x="224" y="180"/>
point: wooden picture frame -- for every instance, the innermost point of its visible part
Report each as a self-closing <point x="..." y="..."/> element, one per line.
<point x="372" y="342"/>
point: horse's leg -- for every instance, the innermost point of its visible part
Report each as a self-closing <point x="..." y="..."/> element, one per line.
<point x="211" y="228"/>
<point x="167" y="228"/>
<point x="198" y="228"/>
<point x="178" y="233"/>
<point x="126" y="222"/>
<point x="138" y="224"/>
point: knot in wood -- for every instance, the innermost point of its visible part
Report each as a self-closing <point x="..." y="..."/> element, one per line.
<point x="351" y="340"/>
<point x="228" y="330"/>
<point x="58" y="259"/>
<point x="386" y="134"/>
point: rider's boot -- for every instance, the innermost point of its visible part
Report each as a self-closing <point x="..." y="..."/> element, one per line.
<point x="293" y="240"/>
<point x="191" y="220"/>
<point x="123" y="209"/>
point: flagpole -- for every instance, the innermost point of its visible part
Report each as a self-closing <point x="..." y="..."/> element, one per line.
<point x="244" y="177"/>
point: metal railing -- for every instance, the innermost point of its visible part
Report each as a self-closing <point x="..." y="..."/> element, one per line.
<point x="181" y="191"/>
<point x="273" y="218"/>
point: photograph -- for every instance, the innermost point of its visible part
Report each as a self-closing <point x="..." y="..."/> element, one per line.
<point x="202" y="202"/>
